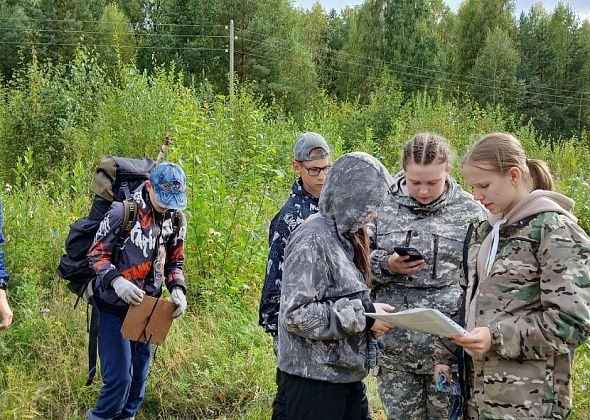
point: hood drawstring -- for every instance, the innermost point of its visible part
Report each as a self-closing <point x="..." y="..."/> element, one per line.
<point x="495" y="241"/>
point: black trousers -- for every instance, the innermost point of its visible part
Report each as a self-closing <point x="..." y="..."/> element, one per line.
<point x="308" y="399"/>
<point x="278" y="405"/>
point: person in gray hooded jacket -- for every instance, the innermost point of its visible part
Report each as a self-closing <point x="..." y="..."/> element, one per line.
<point x="323" y="329"/>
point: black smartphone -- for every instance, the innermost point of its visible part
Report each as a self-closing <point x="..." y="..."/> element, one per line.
<point x="414" y="254"/>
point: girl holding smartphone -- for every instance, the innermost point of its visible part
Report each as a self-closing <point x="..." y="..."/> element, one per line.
<point x="430" y="212"/>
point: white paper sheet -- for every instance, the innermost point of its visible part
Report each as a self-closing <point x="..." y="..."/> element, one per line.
<point x="425" y="320"/>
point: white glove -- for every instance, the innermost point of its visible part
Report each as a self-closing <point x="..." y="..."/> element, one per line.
<point x="179" y="299"/>
<point x="127" y="291"/>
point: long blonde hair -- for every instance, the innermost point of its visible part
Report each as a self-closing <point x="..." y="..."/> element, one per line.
<point x="501" y="151"/>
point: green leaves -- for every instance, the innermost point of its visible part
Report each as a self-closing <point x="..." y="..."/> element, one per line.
<point x="56" y="120"/>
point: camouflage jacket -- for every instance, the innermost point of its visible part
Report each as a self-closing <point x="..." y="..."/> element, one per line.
<point x="322" y="323"/>
<point x="437" y="230"/>
<point x="298" y="207"/>
<point x="3" y="272"/>
<point x="536" y="302"/>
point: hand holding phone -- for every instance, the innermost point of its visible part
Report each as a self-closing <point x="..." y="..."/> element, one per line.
<point x="414" y="254"/>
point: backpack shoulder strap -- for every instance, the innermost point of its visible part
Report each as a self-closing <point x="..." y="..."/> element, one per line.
<point x="92" y="327"/>
<point x="466" y="242"/>
<point x="177" y="221"/>
<point x="129" y="217"/>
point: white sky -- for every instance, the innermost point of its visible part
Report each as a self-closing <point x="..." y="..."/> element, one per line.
<point x="581" y="7"/>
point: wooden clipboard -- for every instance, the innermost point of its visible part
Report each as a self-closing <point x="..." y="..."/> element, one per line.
<point x="149" y="321"/>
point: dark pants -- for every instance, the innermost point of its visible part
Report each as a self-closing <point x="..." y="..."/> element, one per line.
<point x="308" y="399"/>
<point x="278" y="405"/>
<point x="124" y="366"/>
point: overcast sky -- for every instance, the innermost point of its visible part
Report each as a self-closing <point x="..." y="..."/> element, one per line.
<point x="581" y="7"/>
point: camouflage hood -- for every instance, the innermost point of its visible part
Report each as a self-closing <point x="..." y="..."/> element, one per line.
<point x="537" y="201"/>
<point x="403" y="198"/>
<point x="355" y="187"/>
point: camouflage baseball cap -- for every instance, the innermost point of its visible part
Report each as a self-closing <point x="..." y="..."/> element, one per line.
<point x="308" y="141"/>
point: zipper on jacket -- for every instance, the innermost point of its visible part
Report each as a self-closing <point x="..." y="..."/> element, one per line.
<point x="408" y="238"/>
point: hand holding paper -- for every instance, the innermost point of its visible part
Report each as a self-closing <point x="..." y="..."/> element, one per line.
<point x="380" y="327"/>
<point x="478" y="342"/>
<point x="383" y="308"/>
<point x="425" y="320"/>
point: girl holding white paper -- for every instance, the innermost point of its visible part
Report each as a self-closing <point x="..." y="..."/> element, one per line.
<point x="323" y="330"/>
<point x="527" y="287"/>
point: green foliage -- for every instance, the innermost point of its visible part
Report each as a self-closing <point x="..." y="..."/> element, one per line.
<point x="555" y="57"/>
<point x="578" y="189"/>
<point x="476" y="19"/>
<point x="271" y="53"/>
<point x="12" y="36"/>
<point x="115" y="38"/>
<point x="496" y="64"/>
<point x="538" y="66"/>
<point x="41" y="108"/>
<point x="134" y="114"/>
<point x="581" y="382"/>
<point x="220" y="146"/>
<point x="55" y="31"/>
<point x="362" y="54"/>
<point x="217" y="362"/>
<point x="411" y="43"/>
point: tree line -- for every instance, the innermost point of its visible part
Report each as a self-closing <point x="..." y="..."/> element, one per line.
<point x="536" y="65"/>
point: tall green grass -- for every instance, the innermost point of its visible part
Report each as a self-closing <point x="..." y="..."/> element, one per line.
<point x="55" y="123"/>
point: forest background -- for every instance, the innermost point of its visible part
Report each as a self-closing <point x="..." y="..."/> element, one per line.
<point x="81" y="79"/>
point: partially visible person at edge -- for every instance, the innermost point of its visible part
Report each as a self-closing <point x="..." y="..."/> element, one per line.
<point x="311" y="161"/>
<point x="323" y="329"/>
<point x="152" y="256"/>
<point x="527" y="298"/>
<point x="427" y="210"/>
<point x="5" y="311"/>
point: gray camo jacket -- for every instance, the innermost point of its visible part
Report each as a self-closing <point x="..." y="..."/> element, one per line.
<point x="322" y="322"/>
<point x="438" y="231"/>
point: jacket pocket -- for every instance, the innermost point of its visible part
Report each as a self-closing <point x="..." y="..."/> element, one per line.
<point x="392" y="238"/>
<point x="447" y="256"/>
<point x="520" y="389"/>
<point x="345" y="353"/>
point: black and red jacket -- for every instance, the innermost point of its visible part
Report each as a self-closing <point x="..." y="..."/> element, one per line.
<point x="152" y="237"/>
